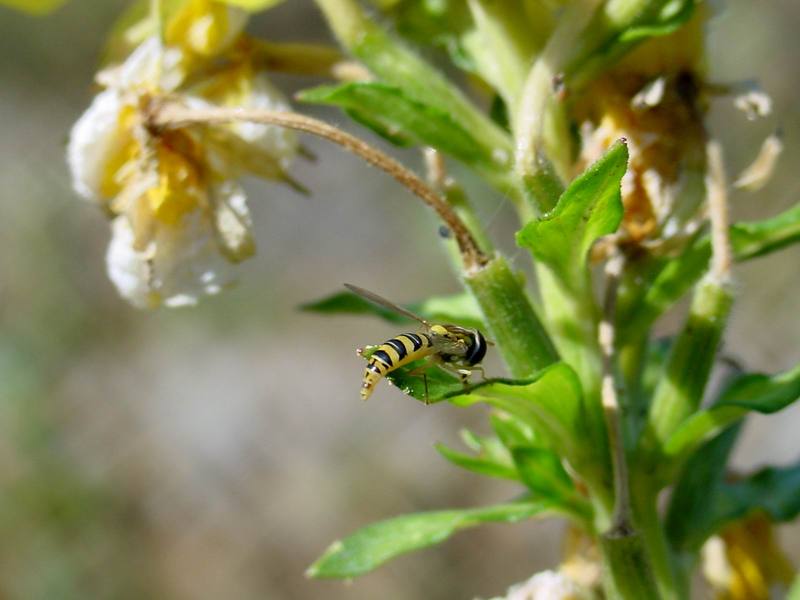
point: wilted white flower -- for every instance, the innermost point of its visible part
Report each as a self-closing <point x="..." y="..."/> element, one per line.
<point x="179" y="217"/>
<point x="547" y="585"/>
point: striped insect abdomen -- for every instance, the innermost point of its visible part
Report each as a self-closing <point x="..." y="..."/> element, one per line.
<point x="394" y="353"/>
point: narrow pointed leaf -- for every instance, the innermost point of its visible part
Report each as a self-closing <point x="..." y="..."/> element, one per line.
<point x="589" y="208"/>
<point x="511" y="431"/>
<point x="749" y="393"/>
<point x="750" y="240"/>
<point x="544" y="475"/>
<point x="381" y="128"/>
<point x="395" y="64"/>
<point x="551" y="404"/>
<point x="774" y="491"/>
<point x="618" y="27"/>
<point x="375" y="544"/>
<point x="671" y="279"/>
<point x="542" y="471"/>
<point x="700" y="479"/>
<point x="480" y="464"/>
<point x="392" y="111"/>
<point x="459" y="309"/>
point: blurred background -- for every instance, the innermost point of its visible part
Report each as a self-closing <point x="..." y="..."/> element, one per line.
<point x="215" y="452"/>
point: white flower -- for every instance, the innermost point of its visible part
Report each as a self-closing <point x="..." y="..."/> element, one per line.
<point x="180" y="220"/>
<point x="547" y="585"/>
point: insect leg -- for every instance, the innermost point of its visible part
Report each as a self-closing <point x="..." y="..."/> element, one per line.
<point x="479" y="368"/>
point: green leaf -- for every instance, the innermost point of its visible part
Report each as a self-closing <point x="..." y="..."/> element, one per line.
<point x="492" y="458"/>
<point x="774" y="491"/>
<point x="395" y="64"/>
<point x="381" y="128"/>
<point x="458" y="309"/>
<point x="441" y="385"/>
<point x="699" y="481"/>
<point x="589" y="208"/>
<point x="392" y="111"/>
<point x="375" y="544"/>
<point x="543" y="474"/>
<point x="749" y="393"/>
<point x="669" y="280"/>
<point x="664" y="18"/>
<point x="34" y="7"/>
<point x="750" y="240"/>
<point x="511" y="431"/>
<point x="551" y="404"/>
<point x="618" y="27"/>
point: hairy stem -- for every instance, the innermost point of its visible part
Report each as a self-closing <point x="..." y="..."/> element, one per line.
<point x="165" y="114"/>
<point x="512" y="321"/>
<point x="686" y="373"/>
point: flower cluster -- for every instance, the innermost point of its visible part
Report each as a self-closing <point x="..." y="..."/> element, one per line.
<point x="179" y="217"/>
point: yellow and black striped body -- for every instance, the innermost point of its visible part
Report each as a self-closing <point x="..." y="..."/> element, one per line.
<point x="392" y="354"/>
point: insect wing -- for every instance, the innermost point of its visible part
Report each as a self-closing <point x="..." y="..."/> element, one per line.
<point x="447" y="345"/>
<point x="384" y="303"/>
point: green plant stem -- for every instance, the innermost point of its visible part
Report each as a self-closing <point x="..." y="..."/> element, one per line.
<point x="541" y="136"/>
<point x="686" y="373"/>
<point x="513" y="324"/>
<point x="648" y="522"/>
<point x="627" y="574"/>
<point x="503" y="46"/>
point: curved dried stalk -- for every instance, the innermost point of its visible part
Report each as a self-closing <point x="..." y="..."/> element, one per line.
<point x="165" y="113"/>
<point x="716" y="182"/>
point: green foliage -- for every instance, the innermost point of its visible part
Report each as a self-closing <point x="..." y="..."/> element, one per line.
<point x="551" y="404"/>
<point x="543" y="474"/>
<point x="550" y="434"/>
<point x="749" y="393"/>
<point x="750" y="240"/>
<point x="373" y="545"/>
<point x="702" y="476"/>
<point x="668" y="280"/>
<point x="588" y="209"/>
<point x="618" y="27"/>
<point x="395" y="116"/>
<point x="570" y="409"/>
<point x="492" y="457"/>
<point x="685" y="375"/>
<point x="459" y="309"/>
<point x="774" y="491"/>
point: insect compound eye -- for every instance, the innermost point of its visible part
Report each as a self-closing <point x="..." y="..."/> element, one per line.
<point x="477" y="348"/>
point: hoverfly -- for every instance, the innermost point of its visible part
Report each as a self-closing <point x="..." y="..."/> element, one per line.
<point x="455" y="349"/>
